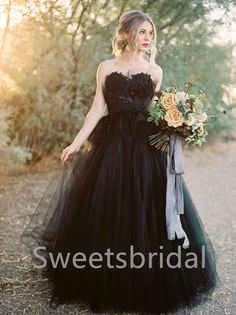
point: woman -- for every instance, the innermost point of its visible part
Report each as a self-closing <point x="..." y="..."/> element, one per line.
<point x="103" y="240"/>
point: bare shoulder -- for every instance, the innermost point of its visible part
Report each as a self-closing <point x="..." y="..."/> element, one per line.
<point x="103" y="70"/>
<point x="157" y="72"/>
<point x="105" y="66"/>
<point x="157" y="75"/>
<point x="101" y="73"/>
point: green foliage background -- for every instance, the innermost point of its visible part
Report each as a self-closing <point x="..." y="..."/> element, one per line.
<point x="48" y="63"/>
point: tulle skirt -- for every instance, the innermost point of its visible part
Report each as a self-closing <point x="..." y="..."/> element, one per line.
<point x="103" y="216"/>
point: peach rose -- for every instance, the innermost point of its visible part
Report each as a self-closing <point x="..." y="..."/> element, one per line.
<point x="174" y="118"/>
<point x="169" y="100"/>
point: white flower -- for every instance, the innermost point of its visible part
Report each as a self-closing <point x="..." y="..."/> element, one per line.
<point x="190" y="120"/>
<point x="197" y="125"/>
<point x="203" y="117"/>
<point x="181" y="97"/>
<point x="201" y="131"/>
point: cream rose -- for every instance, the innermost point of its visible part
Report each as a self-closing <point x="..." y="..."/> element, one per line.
<point x="174" y="118"/>
<point x="169" y="100"/>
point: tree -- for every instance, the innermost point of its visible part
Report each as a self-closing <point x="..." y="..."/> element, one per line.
<point x="53" y="54"/>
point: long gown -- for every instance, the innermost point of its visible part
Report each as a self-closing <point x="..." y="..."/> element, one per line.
<point x="111" y="199"/>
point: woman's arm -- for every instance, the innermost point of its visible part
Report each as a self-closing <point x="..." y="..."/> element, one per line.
<point x="157" y="76"/>
<point x="97" y="110"/>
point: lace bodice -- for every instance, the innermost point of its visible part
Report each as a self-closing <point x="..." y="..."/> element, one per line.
<point x="128" y="102"/>
<point x="123" y="93"/>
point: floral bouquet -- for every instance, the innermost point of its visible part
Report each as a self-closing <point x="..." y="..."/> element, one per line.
<point x="181" y="113"/>
<point x="178" y="115"/>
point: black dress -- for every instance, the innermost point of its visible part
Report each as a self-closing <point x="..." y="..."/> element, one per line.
<point x="111" y="200"/>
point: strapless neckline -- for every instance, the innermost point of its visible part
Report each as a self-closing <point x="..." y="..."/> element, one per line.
<point x="132" y="76"/>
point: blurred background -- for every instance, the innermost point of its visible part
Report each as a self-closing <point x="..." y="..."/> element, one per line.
<point x="49" y="53"/>
<point x="50" y="50"/>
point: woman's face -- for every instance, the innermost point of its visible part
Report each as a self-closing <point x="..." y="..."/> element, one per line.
<point x="144" y="36"/>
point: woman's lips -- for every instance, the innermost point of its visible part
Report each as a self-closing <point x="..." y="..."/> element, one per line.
<point x="145" y="45"/>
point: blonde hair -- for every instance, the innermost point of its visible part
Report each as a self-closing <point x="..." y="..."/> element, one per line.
<point x="129" y="22"/>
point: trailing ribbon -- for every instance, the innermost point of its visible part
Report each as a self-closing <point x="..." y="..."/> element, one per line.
<point x="174" y="194"/>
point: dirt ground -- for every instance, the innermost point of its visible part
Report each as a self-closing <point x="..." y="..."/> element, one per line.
<point x="210" y="173"/>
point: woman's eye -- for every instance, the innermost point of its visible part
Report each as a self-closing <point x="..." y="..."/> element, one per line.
<point x="142" y="31"/>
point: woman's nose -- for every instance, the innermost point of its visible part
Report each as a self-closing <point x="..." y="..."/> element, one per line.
<point x="147" y="37"/>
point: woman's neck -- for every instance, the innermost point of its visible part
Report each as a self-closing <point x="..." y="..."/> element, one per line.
<point x="132" y="59"/>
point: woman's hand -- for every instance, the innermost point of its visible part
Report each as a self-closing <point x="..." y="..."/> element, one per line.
<point x="69" y="152"/>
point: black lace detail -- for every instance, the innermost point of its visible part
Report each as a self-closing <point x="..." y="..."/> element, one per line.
<point x="128" y="100"/>
<point x="124" y="92"/>
<point x="140" y="88"/>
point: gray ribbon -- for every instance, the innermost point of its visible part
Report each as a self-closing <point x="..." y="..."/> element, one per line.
<point x="174" y="193"/>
